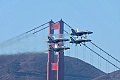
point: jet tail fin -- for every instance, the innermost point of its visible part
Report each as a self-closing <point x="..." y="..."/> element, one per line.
<point x="73" y="31"/>
<point x="72" y="39"/>
<point x="50" y="39"/>
<point x="51" y="47"/>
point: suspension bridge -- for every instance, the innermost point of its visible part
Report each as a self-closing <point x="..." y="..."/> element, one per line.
<point x="34" y="41"/>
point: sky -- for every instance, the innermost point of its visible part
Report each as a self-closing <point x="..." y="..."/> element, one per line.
<point x="100" y="16"/>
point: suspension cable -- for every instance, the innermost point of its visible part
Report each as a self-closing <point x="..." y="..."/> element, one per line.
<point x="26" y="32"/>
<point x="40" y="30"/>
<point x="68" y="25"/>
<point x="96" y="46"/>
<point x="36" y="27"/>
<point x="105" y="52"/>
<point x="66" y="31"/>
<point x="102" y="57"/>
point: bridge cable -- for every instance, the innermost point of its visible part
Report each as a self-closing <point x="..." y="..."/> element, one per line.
<point x="100" y="60"/>
<point x="66" y="32"/>
<point x="105" y="52"/>
<point x="68" y="25"/>
<point x="25" y="33"/>
<point x="37" y="27"/>
<point x="40" y="30"/>
<point x="96" y="46"/>
<point x="102" y="57"/>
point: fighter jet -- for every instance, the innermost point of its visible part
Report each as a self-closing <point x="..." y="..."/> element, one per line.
<point x="80" y="33"/>
<point x="79" y="41"/>
<point x="52" y="40"/>
<point x="58" y="49"/>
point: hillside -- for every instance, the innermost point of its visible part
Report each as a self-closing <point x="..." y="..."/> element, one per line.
<point x="32" y="66"/>
<point x="111" y="76"/>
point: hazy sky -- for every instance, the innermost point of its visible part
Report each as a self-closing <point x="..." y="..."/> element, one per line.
<point x="100" y="16"/>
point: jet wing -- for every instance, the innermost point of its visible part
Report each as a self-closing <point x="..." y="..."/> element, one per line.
<point x="82" y="40"/>
<point x="57" y="40"/>
<point x="79" y="41"/>
<point x="60" y="40"/>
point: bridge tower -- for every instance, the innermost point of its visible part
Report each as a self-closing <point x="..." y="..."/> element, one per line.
<point x="51" y="64"/>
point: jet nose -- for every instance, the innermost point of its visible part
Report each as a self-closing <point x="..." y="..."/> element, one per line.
<point x="67" y="40"/>
<point x="67" y="48"/>
<point x="89" y="40"/>
<point x="90" y="32"/>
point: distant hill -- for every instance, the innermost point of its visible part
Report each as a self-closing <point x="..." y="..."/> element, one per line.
<point x="110" y="76"/>
<point x="32" y="66"/>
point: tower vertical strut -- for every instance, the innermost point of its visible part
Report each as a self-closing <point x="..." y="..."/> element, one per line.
<point x="50" y="55"/>
<point x="51" y="64"/>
